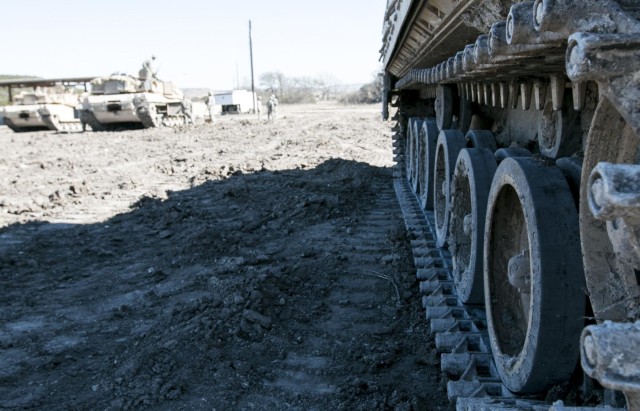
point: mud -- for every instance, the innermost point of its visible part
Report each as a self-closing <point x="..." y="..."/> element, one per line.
<point x="239" y="265"/>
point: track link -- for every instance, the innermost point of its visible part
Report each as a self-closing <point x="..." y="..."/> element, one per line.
<point x="61" y="127"/>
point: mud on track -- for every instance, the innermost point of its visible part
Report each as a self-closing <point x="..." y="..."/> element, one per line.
<point x="240" y="265"/>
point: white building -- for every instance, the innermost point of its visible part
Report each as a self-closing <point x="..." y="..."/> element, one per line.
<point x="236" y="101"/>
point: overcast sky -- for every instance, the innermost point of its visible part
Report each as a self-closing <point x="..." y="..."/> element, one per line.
<point x="198" y="43"/>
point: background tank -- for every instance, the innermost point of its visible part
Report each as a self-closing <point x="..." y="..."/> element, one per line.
<point x="42" y="109"/>
<point x="126" y="101"/>
<point x="518" y="134"/>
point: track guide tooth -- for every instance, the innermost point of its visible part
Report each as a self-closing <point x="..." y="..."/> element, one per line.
<point x="437" y="288"/>
<point x="447" y="341"/>
<point x="446" y="312"/>
<point x="435" y="301"/>
<point x="434" y="273"/>
<point x="466" y="365"/>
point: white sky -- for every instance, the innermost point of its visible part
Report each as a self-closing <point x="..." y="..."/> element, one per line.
<point x="198" y="43"/>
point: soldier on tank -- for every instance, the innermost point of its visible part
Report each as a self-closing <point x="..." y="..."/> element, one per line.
<point x="147" y="73"/>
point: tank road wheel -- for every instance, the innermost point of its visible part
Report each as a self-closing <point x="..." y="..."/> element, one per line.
<point x="428" y="141"/>
<point x="465" y="114"/>
<point x="444" y="107"/>
<point x="610" y="240"/>
<point x="408" y="150"/>
<point x="450" y="142"/>
<point x="533" y="277"/>
<point x="415" y="127"/>
<point x="557" y="134"/>
<point x="469" y="192"/>
<point x="481" y="139"/>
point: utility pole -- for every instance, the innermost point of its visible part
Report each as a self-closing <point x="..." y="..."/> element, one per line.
<point x="253" y="93"/>
<point x="237" y="77"/>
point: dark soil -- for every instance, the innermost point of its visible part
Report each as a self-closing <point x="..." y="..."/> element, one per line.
<point x="239" y="265"/>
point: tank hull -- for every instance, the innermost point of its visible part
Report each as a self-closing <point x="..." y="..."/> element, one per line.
<point x="24" y="117"/>
<point x="57" y="115"/>
<point x="133" y="109"/>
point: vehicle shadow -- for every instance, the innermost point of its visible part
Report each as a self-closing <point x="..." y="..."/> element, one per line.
<point x="135" y="310"/>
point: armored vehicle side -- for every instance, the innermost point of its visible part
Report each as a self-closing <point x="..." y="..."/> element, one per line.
<point x="518" y="139"/>
<point x="42" y="109"/>
<point x="126" y="101"/>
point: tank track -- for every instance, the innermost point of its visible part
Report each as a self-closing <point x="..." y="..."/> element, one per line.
<point x="459" y="330"/>
<point x="18" y="129"/>
<point x="90" y="119"/>
<point x="146" y="117"/>
<point x="12" y="126"/>
<point x="148" y="121"/>
<point x="61" y="127"/>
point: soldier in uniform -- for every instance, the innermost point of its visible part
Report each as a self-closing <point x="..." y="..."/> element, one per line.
<point x="259" y="106"/>
<point x="211" y="106"/>
<point x="147" y="73"/>
<point x="186" y="110"/>
<point x="271" y="107"/>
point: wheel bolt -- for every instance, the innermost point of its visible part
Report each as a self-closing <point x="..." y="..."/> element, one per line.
<point x="519" y="272"/>
<point x="467" y="224"/>
<point x="589" y="349"/>
<point x="597" y="192"/>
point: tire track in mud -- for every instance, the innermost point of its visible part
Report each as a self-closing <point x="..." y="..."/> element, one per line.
<point x="352" y="340"/>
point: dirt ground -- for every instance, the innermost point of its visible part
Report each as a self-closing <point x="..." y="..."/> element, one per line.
<point x="236" y="265"/>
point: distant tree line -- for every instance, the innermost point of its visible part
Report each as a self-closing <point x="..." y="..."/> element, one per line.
<point x="369" y="93"/>
<point x="298" y="90"/>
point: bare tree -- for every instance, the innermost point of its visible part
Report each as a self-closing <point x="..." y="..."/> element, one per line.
<point x="326" y="86"/>
<point x="367" y="94"/>
<point x="275" y="82"/>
